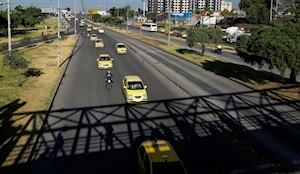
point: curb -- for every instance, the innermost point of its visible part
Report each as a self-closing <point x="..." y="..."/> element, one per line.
<point x="28" y="159"/>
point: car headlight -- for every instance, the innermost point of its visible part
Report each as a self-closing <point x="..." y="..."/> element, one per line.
<point x="145" y="96"/>
<point x="130" y="96"/>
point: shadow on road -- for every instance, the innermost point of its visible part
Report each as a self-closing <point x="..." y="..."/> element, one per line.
<point x="100" y="138"/>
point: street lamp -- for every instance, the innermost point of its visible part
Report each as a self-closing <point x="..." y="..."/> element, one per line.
<point x="127" y="13"/>
<point x="1" y="4"/>
<point x="8" y="25"/>
<point x="58" y="34"/>
<point x="271" y="10"/>
<point x="75" y="20"/>
<point x="169" y="20"/>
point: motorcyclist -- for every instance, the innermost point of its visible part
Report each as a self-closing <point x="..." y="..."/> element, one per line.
<point x="219" y="47"/>
<point x="108" y="76"/>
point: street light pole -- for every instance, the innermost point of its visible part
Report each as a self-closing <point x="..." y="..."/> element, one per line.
<point x="276" y="9"/>
<point x="271" y="10"/>
<point x="8" y="25"/>
<point x="75" y="31"/>
<point x="58" y="34"/>
<point x="127" y="14"/>
<point x="169" y="21"/>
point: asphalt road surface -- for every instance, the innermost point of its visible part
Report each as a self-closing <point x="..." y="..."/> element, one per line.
<point x="230" y="56"/>
<point x="90" y="129"/>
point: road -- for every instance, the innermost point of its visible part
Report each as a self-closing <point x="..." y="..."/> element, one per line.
<point x="17" y="44"/>
<point x="227" y="55"/>
<point x="91" y="129"/>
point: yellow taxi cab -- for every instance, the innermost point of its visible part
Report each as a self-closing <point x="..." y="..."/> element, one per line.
<point x="134" y="89"/>
<point x="99" y="43"/>
<point x="158" y="156"/>
<point x="93" y="37"/>
<point x="167" y="32"/>
<point x="95" y="27"/>
<point x="162" y="30"/>
<point x="88" y="29"/>
<point x="121" y="48"/>
<point x="183" y="34"/>
<point x="89" y="25"/>
<point x="105" y="61"/>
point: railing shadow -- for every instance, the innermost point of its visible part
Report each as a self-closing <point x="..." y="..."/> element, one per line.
<point x="203" y="130"/>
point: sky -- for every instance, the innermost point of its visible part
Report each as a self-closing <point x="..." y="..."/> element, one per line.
<point x="89" y="4"/>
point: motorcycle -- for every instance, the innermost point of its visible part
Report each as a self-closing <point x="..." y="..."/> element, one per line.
<point x="108" y="84"/>
<point x="217" y="50"/>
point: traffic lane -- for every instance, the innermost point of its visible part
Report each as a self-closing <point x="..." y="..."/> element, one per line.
<point x="82" y="87"/>
<point x="228" y="56"/>
<point x="202" y="78"/>
<point x="240" y="104"/>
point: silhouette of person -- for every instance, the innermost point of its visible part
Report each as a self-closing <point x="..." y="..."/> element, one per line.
<point x="109" y="137"/>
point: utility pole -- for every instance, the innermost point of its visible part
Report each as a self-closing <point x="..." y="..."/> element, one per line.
<point x="169" y="21"/>
<point x="144" y="8"/>
<point x="271" y="10"/>
<point x="127" y="14"/>
<point x="276" y="9"/>
<point x="8" y="25"/>
<point x="58" y="34"/>
<point x="75" y="31"/>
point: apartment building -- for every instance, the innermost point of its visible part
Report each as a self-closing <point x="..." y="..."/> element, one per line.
<point x="226" y="5"/>
<point x="158" y="6"/>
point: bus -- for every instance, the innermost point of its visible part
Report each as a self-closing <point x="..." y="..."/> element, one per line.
<point x="149" y="27"/>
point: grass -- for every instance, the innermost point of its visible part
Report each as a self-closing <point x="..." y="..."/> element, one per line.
<point x="242" y="74"/>
<point x="36" y="32"/>
<point x="226" y="47"/>
<point x="34" y="95"/>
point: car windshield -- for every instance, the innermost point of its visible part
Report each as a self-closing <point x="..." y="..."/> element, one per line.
<point x="93" y="35"/>
<point x="121" y="46"/>
<point x="98" y="41"/>
<point x="168" y="167"/>
<point x="135" y="85"/>
<point x="104" y="58"/>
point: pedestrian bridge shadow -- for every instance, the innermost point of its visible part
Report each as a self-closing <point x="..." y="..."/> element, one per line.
<point x="224" y="133"/>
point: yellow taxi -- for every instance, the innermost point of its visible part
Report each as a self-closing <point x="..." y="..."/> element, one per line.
<point x="88" y="29"/>
<point x="99" y="43"/>
<point x="105" y="61"/>
<point x="89" y="25"/>
<point x="93" y="37"/>
<point x="134" y="89"/>
<point x="121" y="48"/>
<point x="158" y="156"/>
<point x="95" y="27"/>
<point x="162" y="30"/>
<point x="183" y="34"/>
<point x="167" y="32"/>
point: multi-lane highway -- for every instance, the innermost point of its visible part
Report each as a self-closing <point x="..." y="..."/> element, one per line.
<point x="227" y="55"/>
<point x="206" y="117"/>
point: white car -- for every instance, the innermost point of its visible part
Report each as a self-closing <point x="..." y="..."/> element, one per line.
<point x="101" y="30"/>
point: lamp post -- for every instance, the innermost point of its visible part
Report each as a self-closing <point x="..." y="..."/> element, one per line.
<point x="127" y="14"/>
<point x="271" y="10"/>
<point x="8" y="25"/>
<point x="169" y="21"/>
<point x="58" y="34"/>
<point x="1" y="4"/>
<point x="75" y="31"/>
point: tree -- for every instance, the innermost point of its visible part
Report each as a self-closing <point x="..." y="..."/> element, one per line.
<point x="258" y="11"/>
<point x="276" y="45"/>
<point x="15" y="61"/>
<point x="203" y="36"/>
<point x="290" y="6"/>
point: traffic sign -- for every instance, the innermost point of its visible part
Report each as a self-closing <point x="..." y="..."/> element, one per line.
<point x="93" y="11"/>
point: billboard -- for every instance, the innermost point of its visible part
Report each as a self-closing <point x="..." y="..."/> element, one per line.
<point x="93" y="11"/>
<point x="181" y="15"/>
<point x="49" y="9"/>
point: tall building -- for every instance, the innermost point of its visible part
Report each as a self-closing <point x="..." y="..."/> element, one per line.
<point x="226" y="5"/>
<point x="158" y="6"/>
